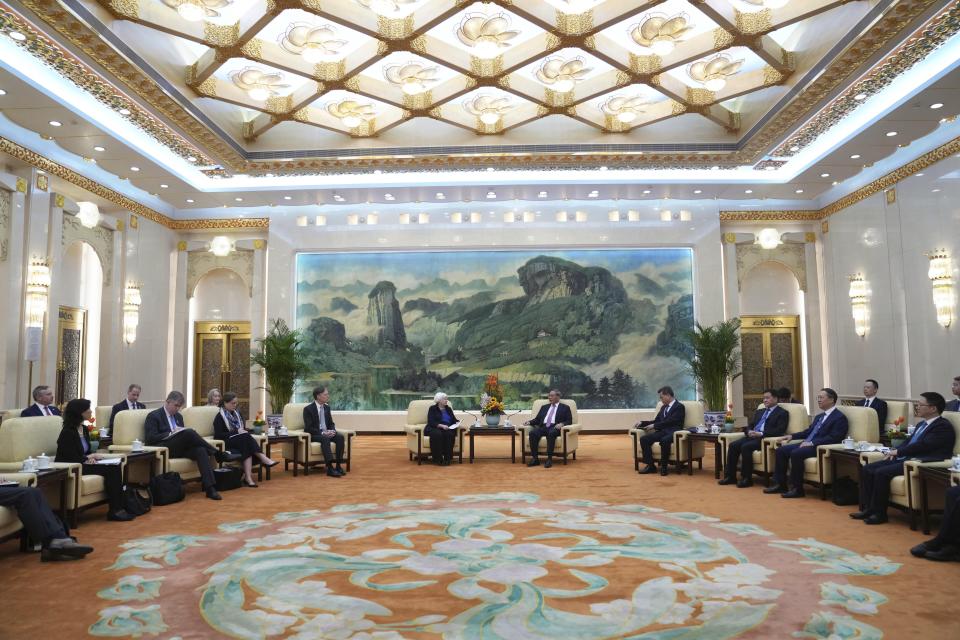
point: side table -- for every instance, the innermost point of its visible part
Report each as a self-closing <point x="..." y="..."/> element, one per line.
<point x="55" y="475"/>
<point x="845" y="455"/>
<point x="141" y="457"/>
<point x="495" y="431"/>
<point x="272" y="440"/>
<point x="937" y="475"/>
<point x="717" y="451"/>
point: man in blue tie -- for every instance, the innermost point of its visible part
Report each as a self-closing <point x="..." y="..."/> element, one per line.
<point x="768" y="422"/>
<point x="548" y="424"/>
<point x="932" y="440"/>
<point x="668" y="421"/>
<point x="829" y="427"/>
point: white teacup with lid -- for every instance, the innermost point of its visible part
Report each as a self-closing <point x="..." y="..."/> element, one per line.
<point x="30" y="464"/>
<point x="848" y="443"/>
<point x="136" y="445"/>
<point x="43" y="461"/>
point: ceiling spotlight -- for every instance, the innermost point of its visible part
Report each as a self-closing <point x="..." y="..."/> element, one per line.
<point x="2" y="92"/>
<point x="486" y="35"/>
<point x="16" y="35"/>
<point x="491" y="195"/>
<point x="799" y="191"/>
<point x="288" y="197"/>
<point x="238" y="199"/>
<point x="855" y="156"/>
<point x="860" y="96"/>
<point x="163" y="186"/>
<point x="698" y="191"/>
<point x="834" y="183"/>
<point x="440" y="196"/>
<point x="99" y="149"/>
<point x="748" y="191"/>
<point x="189" y="201"/>
<point x="338" y="197"/>
<point x="714" y="72"/>
<point x="936" y="105"/>
<point x="542" y="194"/>
<point x="592" y="194"/>
<point x="388" y="196"/>
<point x="660" y="33"/>
<point x="935" y="190"/>
<point x="824" y="175"/>
<point x="890" y="134"/>
<point x="646" y="191"/>
<point x="412" y="77"/>
<point x="134" y="169"/>
<point x="56" y="123"/>
<point x="124" y="112"/>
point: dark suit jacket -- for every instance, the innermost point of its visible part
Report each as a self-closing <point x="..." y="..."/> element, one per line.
<point x="935" y="443"/>
<point x="122" y="406"/>
<point x="221" y="430"/>
<point x="311" y="419"/>
<point x="953" y="405"/>
<point x="563" y="415"/>
<point x="832" y="431"/>
<point x="672" y="421"/>
<point x="776" y="424"/>
<point x="33" y="411"/>
<point x="69" y="446"/>
<point x="436" y="417"/>
<point x="156" y="427"/>
<point x="879" y="406"/>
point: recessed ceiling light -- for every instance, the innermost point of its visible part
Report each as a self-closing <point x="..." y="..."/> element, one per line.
<point x="16" y="35"/>
<point x="646" y="191"/>
<point x="936" y="190"/>
<point x="794" y="148"/>
<point x="603" y="168"/>
<point x="890" y="134"/>
<point x="835" y="183"/>
<point x="860" y="96"/>
<point x="542" y="194"/>
<point x="163" y="186"/>
<point x="491" y="195"/>
<point x="238" y="199"/>
<point x="855" y="156"/>
<point x="189" y="201"/>
<point x="748" y="191"/>
<point x="698" y="191"/>
<point x="287" y="197"/>
<point x="936" y="105"/>
<point x="824" y="175"/>
<point x="56" y="123"/>
<point x="134" y="169"/>
<point x="920" y="175"/>
<point x="799" y="191"/>
<point x="99" y="148"/>
<point x="124" y="112"/>
<point x="191" y="159"/>
<point x="2" y="92"/>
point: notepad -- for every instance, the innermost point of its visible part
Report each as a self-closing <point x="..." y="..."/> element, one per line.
<point x="109" y="460"/>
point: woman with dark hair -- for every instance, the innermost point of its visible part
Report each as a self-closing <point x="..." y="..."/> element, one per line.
<point x="73" y="445"/>
<point x="229" y="427"/>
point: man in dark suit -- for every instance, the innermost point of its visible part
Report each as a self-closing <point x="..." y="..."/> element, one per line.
<point x="768" y="422"/>
<point x="946" y="546"/>
<point x="42" y="404"/>
<point x="829" y="427"/>
<point x="954" y="405"/>
<point x="318" y="422"/>
<point x="870" y="400"/>
<point x="164" y="428"/>
<point x="549" y="420"/>
<point x="661" y="429"/>
<point x="41" y="524"/>
<point x="933" y="439"/>
<point x="132" y="402"/>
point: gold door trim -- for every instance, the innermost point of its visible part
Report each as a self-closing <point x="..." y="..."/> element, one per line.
<point x="767" y="327"/>
<point x="70" y="319"/>
<point x="206" y="336"/>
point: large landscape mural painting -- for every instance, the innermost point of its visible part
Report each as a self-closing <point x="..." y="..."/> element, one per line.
<point x="607" y="327"/>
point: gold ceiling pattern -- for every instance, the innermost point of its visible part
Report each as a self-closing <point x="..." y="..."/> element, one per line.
<point x="361" y="67"/>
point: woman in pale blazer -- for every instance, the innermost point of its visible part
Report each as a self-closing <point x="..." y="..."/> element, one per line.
<point x="440" y="419"/>
<point x="229" y="427"/>
<point x="214" y="397"/>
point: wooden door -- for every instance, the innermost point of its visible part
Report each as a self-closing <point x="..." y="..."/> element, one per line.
<point x="222" y="361"/>
<point x="771" y="357"/>
<point x="71" y="354"/>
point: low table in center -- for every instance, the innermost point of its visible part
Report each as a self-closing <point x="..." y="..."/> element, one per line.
<point x="278" y="439"/>
<point x="717" y="451"/>
<point x="494" y="431"/>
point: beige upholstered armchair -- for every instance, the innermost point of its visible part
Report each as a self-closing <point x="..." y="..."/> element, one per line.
<point x="6" y="414"/>
<point x="692" y="417"/>
<point x="863" y="425"/>
<point x="201" y="418"/>
<point x="418" y="444"/>
<point x="311" y="454"/>
<point x="10" y="524"/>
<point x="21" y="438"/>
<point x="897" y="409"/>
<point x="102" y="415"/>
<point x="128" y="426"/>
<point x="763" y="458"/>
<point x="566" y="444"/>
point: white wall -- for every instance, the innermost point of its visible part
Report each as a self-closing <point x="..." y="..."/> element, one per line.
<point x="220" y="295"/>
<point x="770" y="289"/>
<point x="82" y="277"/>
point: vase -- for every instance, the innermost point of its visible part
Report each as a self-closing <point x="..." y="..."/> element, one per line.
<point x="711" y="418"/>
<point x="94" y="445"/>
<point x="257" y="429"/>
<point x="896" y="443"/>
<point x="728" y="427"/>
<point x="493" y="419"/>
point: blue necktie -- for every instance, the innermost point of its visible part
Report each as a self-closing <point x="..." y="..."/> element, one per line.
<point x="763" y="420"/>
<point x="816" y="427"/>
<point x="916" y="432"/>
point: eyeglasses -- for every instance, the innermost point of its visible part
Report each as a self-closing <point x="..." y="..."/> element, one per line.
<point x="924" y="404"/>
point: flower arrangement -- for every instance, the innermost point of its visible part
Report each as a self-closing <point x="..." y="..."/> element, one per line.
<point x="491" y="402"/>
<point x="729" y="417"/>
<point x="91" y="426"/>
<point x="258" y="421"/>
<point x="897" y="430"/>
<point x="492" y="407"/>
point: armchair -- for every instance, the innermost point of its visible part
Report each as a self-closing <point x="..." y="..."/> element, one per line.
<point x="693" y="416"/>
<point x="897" y="409"/>
<point x="10" y="524"/>
<point x="763" y="459"/>
<point x="418" y="444"/>
<point x="201" y="418"/>
<point x="311" y="454"/>
<point x="127" y="427"/>
<point x="863" y="424"/>
<point x="102" y="415"/>
<point x="569" y="434"/>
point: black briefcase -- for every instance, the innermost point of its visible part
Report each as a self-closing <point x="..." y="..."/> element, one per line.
<point x="227" y="478"/>
<point x="846" y="492"/>
<point x="166" y="488"/>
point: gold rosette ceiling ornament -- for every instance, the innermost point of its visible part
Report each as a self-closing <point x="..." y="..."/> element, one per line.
<point x="259" y="85"/>
<point x="196" y="10"/>
<point x="412" y="78"/>
<point x="486" y="35"/>
<point x="561" y="75"/>
<point x="660" y="33"/>
<point x="351" y="113"/>
<point x="714" y="72"/>
<point x="489" y="109"/>
<point x="313" y="43"/>
<point x="625" y="109"/>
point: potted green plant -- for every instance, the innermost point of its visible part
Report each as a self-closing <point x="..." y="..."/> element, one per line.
<point x="716" y="360"/>
<point x="278" y="354"/>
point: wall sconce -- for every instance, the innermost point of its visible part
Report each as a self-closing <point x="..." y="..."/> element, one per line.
<point x="221" y="246"/>
<point x="131" y="312"/>
<point x="768" y="238"/>
<point x="941" y="279"/>
<point x="859" y="296"/>
<point x="38" y="290"/>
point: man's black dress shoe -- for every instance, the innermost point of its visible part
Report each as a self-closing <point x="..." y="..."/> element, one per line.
<point x="875" y="519"/>
<point x="727" y="480"/>
<point x="947" y="553"/>
<point x="860" y="515"/>
<point x="332" y="472"/>
<point x="213" y="494"/>
<point x="922" y="549"/>
<point x="648" y="469"/>
<point x="664" y="469"/>
<point x="548" y="463"/>
<point x="793" y="493"/>
<point x="775" y="489"/>
<point x="744" y="483"/>
<point x="534" y="462"/>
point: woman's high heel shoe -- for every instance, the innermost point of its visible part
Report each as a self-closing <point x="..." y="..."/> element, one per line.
<point x="252" y="485"/>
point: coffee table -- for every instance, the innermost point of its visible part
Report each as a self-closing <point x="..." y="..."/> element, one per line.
<point x="717" y="451"/>
<point x="844" y="455"/>
<point x="140" y="457"/>
<point x="936" y="475"/>
<point x="272" y="440"/>
<point x="494" y="431"/>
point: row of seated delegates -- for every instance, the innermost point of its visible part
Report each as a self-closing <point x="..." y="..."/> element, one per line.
<point x="946" y="545"/>
<point x="73" y="446"/>
<point x="932" y="440"/>
<point x="871" y="401"/>
<point x="442" y="426"/>
<point x="214" y="397"/>
<point x="661" y="429"/>
<point x="229" y="427"/>
<point x="768" y="422"/>
<point x="548" y="422"/>
<point x="318" y="422"/>
<point x="41" y="524"/>
<point x="829" y="427"/>
<point x="42" y="403"/>
<point x="164" y="428"/>
<point x="954" y="405"/>
<point x="131" y="403"/>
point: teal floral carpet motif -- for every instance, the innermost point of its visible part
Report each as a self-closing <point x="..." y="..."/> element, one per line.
<point x="505" y="566"/>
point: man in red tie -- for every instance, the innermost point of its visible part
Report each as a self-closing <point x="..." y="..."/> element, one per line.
<point x="42" y="404"/>
<point x="549" y="421"/>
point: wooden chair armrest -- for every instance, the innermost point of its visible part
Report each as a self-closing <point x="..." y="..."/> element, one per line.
<point x="23" y="479"/>
<point x="572" y="428"/>
<point x="727" y="438"/>
<point x="347" y="433"/>
<point x="414" y="429"/>
<point x="866" y="457"/>
<point x="10" y="467"/>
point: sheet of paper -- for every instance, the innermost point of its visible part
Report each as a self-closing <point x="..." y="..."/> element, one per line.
<point x="109" y="460"/>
